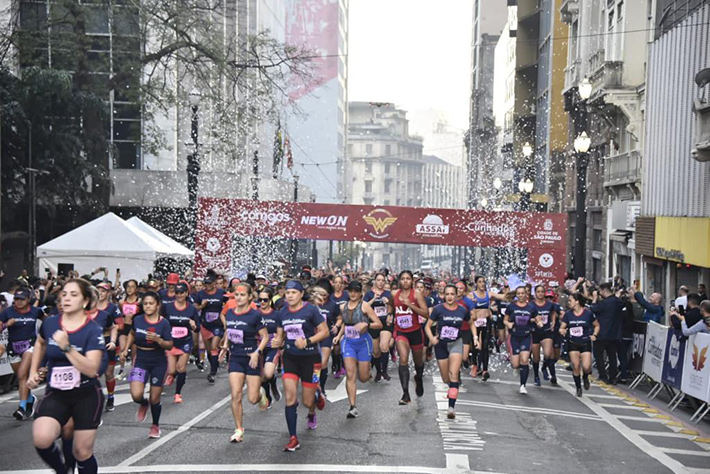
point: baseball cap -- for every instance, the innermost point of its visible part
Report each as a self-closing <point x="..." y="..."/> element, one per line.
<point x="22" y="294"/>
<point x="181" y="287"/>
<point x="549" y="293"/>
<point x="355" y="286"/>
<point x="208" y="279"/>
<point x="173" y="279"/>
<point x="261" y="277"/>
<point x="105" y="285"/>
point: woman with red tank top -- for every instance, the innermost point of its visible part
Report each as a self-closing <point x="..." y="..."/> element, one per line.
<point x="408" y="306"/>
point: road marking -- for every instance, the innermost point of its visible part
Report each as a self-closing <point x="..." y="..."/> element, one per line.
<point x="460" y="433"/>
<point x="664" y="434"/>
<point x="625" y="407"/>
<point x="452" y="467"/>
<point x="686" y="452"/>
<point x="340" y="392"/>
<point x="508" y="382"/>
<point x="635" y="418"/>
<point x="152" y="447"/>
<point x="540" y="411"/>
<point x="645" y="446"/>
<point x="609" y="397"/>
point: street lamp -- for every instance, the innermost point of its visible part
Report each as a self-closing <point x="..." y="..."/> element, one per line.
<point x="525" y="186"/>
<point x="484" y="202"/>
<point x="585" y="89"/>
<point x="193" y="164"/>
<point x="527" y="150"/>
<point x="497" y="183"/>
<point x="582" y="143"/>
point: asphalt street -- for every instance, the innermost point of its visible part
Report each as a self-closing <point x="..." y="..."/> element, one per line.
<point x="496" y="430"/>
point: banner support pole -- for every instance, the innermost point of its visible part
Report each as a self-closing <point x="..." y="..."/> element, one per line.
<point x="700" y="409"/>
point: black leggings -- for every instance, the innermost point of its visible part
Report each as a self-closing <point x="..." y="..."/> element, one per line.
<point x="482" y="359"/>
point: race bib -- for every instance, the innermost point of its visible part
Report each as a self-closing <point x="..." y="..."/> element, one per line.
<point x="405" y="321"/>
<point x="576" y="331"/>
<point x="294" y="331"/>
<point x="137" y="375"/>
<point x="235" y="336"/>
<point x="544" y="318"/>
<point x="20" y="347"/>
<point x="480" y="322"/>
<point x="449" y="332"/>
<point x="351" y="332"/>
<point x="522" y="320"/>
<point x="130" y="309"/>
<point x="179" y="332"/>
<point x="65" y="378"/>
<point x="381" y="311"/>
<point x="211" y="317"/>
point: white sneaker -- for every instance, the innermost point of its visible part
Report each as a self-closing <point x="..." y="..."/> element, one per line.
<point x="121" y="375"/>
<point x="523" y="390"/>
<point x="450" y="413"/>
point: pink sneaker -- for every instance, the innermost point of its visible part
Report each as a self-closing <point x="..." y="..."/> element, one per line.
<point x="341" y="373"/>
<point x="154" y="432"/>
<point x="312" y="422"/>
<point x="142" y="413"/>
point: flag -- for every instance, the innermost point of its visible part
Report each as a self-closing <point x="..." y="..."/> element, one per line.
<point x="289" y="154"/>
<point x="278" y="151"/>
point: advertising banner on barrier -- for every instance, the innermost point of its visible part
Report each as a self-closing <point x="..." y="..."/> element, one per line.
<point x="5" y="367"/>
<point x="696" y="370"/>
<point x="655" y="347"/>
<point x="673" y="358"/>
<point x="639" y="344"/>
<point x="220" y="220"/>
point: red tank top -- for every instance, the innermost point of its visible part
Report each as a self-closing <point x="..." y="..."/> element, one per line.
<point x="405" y="319"/>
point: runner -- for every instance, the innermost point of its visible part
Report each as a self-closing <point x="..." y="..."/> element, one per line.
<point x="481" y="324"/>
<point x="330" y="310"/>
<point x="467" y="335"/>
<point x="20" y="319"/>
<point x="304" y="328"/>
<point x="340" y="296"/>
<point x="167" y="295"/>
<point x="151" y="335"/>
<point x="408" y="304"/>
<point x="243" y="324"/>
<point x="520" y="318"/>
<point x="355" y="341"/>
<point x="381" y="302"/>
<point x="209" y="301"/>
<point x="183" y="318"/>
<point x="448" y="346"/>
<point x="271" y="353"/>
<point x="73" y="347"/>
<point x="544" y="335"/>
<point x="129" y="307"/>
<point x="583" y="330"/>
<point x="110" y="331"/>
<point x="111" y="338"/>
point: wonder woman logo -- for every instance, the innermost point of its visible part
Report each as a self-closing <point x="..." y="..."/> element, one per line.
<point x="380" y="220"/>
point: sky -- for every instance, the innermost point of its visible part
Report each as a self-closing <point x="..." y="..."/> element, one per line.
<point x="413" y="53"/>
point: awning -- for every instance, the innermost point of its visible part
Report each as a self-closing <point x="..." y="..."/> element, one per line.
<point x="620" y="236"/>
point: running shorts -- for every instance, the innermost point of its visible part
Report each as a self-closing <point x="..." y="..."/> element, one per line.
<point x="414" y="338"/>
<point x="466" y="337"/>
<point x="444" y="348"/>
<point x="327" y="343"/>
<point x="360" y="349"/>
<point x="271" y="355"/>
<point x="84" y="405"/>
<point x="241" y="364"/>
<point x="149" y="368"/>
<point x="538" y="337"/>
<point x="579" y="346"/>
<point x="520" y="344"/>
<point x="304" y="367"/>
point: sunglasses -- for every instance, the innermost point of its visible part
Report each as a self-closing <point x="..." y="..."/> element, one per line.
<point x="264" y="300"/>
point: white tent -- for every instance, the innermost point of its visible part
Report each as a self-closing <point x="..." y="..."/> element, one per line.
<point x="175" y="246"/>
<point x="109" y="242"/>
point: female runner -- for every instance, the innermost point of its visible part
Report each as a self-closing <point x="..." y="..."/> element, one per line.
<point x="106" y="322"/>
<point x="73" y="389"/>
<point x="340" y="296"/>
<point x="448" y="346"/>
<point x="130" y="306"/>
<point x="381" y="301"/>
<point x="520" y="318"/>
<point x="304" y="328"/>
<point x="467" y="335"/>
<point x="243" y="325"/>
<point x="408" y="305"/>
<point x="544" y="335"/>
<point x="355" y="341"/>
<point x="271" y="353"/>
<point x="481" y="324"/>
<point x="183" y="318"/>
<point x="330" y="310"/>
<point x="209" y="302"/>
<point x="583" y="330"/>
<point x="152" y="336"/>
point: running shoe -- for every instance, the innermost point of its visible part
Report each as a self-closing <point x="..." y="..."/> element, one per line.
<point x="30" y="410"/>
<point x="237" y="437"/>
<point x="263" y="402"/>
<point x="211" y="378"/>
<point x="320" y="400"/>
<point x="142" y="413"/>
<point x="419" y="382"/>
<point x="110" y="404"/>
<point x="336" y="374"/>
<point x="312" y="421"/>
<point x="169" y="379"/>
<point x="292" y="445"/>
<point x="386" y="376"/>
<point x="579" y="391"/>
<point x="486" y="375"/>
<point x="545" y="375"/>
<point x="353" y="413"/>
<point x="406" y="399"/>
<point x="537" y="382"/>
<point x="586" y="383"/>
<point x="474" y="371"/>
<point x="275" y="391"/>
<point x="177" y="398"/>
<point x="568" y="368"/>
<point x="200" y="366"/>
<point x="121" y="374"/>
<point x="341" y="372"/>
<point x="523" y="390"/>
<point x="378" y="376"/>
<point x="451" y="413"/>
<point x="154" y="432"/>
<point x="20" y="414"/>
<point x="553" y="381"/>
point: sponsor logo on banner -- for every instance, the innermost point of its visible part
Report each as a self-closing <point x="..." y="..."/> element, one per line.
<point x="432" y="225"/>
<point x="673" y="362"/>
<point x="326" y="222"/>
<point x="490" y="229"/>
<point x="213" y="244"/>
<point x="214" y="217"/>
<point x="266" y="217"/>
<point x="546" y="260"/>
<point x="696" y="370"/>
<point x="548" y="226"/>
<point x="548" y="234"/>
<point x="655" y="348"/>
<point x="379" y="219"/>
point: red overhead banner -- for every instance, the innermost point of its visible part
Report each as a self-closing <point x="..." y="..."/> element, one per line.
<point x="219" y="220"/>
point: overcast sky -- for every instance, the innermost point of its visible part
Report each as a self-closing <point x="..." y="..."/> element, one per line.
<point x="414" y="53"/>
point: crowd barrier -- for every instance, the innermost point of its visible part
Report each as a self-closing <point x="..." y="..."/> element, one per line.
<point x="674" y="362"/>
<point x="5" y="368"/>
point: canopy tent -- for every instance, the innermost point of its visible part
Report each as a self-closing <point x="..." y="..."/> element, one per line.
<point x="110" y="242"/>
<point x="177" y="248"/>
